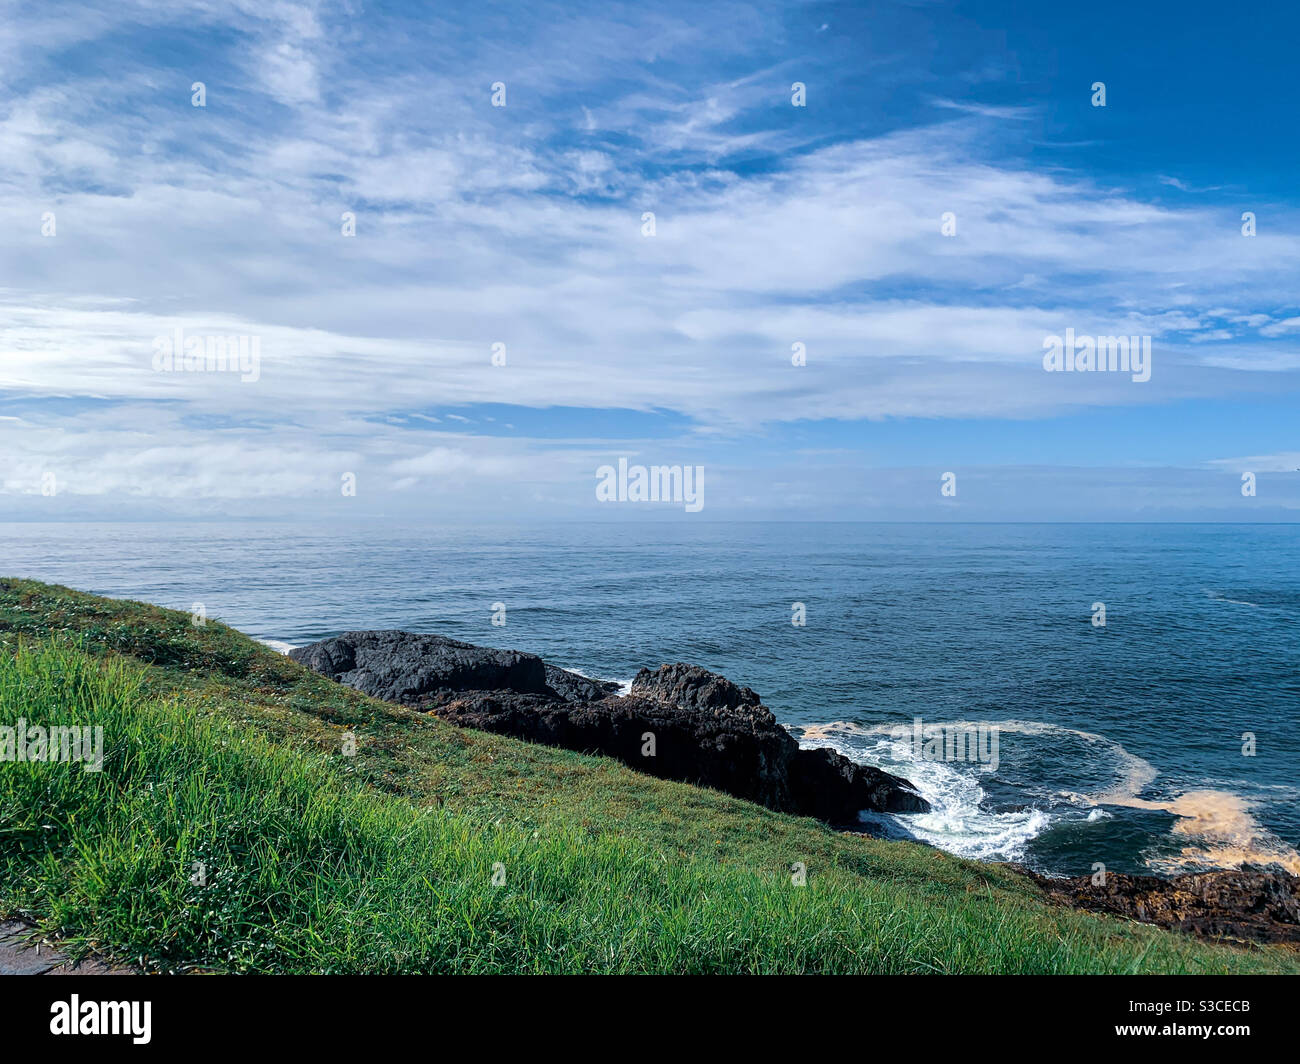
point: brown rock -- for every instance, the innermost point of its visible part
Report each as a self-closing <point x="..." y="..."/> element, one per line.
<point x="1257" y="904"/>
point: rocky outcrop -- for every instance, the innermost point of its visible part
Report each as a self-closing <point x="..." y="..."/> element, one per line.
<point x="1256" y="904"/>
<point x="820" y="783"/>
<point x="826" y="784"/>
<point x="695" y="690"/>
<point x="679" y="721"/>
<point x="417" y="669"/>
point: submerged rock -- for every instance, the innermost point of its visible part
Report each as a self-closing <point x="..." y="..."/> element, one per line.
<point x="679" y="721"/>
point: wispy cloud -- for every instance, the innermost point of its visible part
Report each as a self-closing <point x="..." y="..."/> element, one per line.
<point x="523" y="226"/>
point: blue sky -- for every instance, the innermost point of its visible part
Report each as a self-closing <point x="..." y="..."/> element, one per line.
<point x="774" y="225"/>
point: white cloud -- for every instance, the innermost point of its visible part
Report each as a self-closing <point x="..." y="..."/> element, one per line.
<point x="1281" y="328"/>
<point x="522" y="226"/>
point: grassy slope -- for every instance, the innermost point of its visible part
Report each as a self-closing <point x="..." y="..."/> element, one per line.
<point x="223" y="751"/>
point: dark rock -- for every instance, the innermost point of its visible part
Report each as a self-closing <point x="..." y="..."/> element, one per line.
<point x="821" y="783"/>
<point x="417" y="670"/>
<point x="574" y="688"/>
<point x="722" y="750"/>
<point x="705" y="729"/>
<point x="827" y="785"/>
<point x="1254" y="904"/>
<point x="692" y="688"/>
<point x="402" y="667"/>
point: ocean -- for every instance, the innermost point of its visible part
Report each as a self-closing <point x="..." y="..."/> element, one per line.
<point x="1165" y="740"/>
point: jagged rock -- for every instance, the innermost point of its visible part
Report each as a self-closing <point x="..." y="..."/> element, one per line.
<point x="1257" y="904"/>
<point x="825" y="784"/>
<point x="720" y="750"/>
<point x="821" y="783"/>
<point x="693" y="688"/>
<point x="705" y="729"/>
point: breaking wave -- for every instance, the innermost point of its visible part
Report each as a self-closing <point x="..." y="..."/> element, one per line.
<point x="1215" y="828"/>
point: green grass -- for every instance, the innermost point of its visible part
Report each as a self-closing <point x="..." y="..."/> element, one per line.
<point x="222" y="752"/>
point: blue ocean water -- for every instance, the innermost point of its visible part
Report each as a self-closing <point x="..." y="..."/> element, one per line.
<point x="1120" y="744"/>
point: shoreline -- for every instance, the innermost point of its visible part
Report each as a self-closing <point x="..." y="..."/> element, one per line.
<point x="1248" y="845"/>
<point x="708" y="854"/>
<point x="718" y="735"/>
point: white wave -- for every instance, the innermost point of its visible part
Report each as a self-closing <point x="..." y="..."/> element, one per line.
<point x="278" y="645"/>
<point x="1218" y="825"/>
<point x="957" y="821"/>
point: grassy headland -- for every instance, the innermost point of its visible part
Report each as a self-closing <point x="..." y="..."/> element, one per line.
<point x="229" y="831"/>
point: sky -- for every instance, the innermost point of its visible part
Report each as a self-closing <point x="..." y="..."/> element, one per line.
<point x="432" y="222"/>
